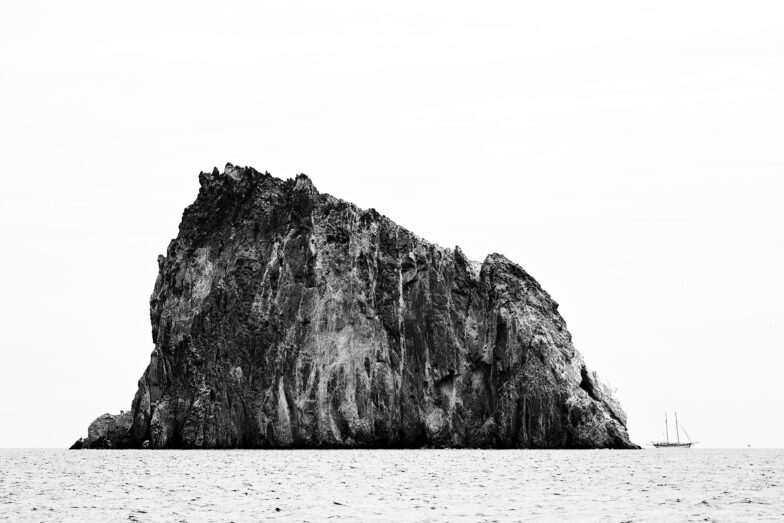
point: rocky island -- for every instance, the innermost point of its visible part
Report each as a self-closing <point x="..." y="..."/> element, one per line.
<point x="284" y="317"/>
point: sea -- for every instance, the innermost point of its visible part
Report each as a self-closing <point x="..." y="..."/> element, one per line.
<point x="392" y="485"/>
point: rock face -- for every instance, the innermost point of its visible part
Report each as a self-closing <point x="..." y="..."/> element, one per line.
<point x="283" y="317"/>
<point x="107" y="432"/>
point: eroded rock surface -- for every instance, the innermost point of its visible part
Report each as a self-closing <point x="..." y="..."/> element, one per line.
<point x="283" y="317"/>
<point x="107" y="431"/>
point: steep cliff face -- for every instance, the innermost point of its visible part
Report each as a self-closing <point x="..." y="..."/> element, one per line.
<point x="283" y="317"/>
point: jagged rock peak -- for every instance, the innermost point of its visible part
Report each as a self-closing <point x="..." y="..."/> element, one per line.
<point x="286" y="317"/>
<point x="231" y="173"/>
<point x="303" y="184"/>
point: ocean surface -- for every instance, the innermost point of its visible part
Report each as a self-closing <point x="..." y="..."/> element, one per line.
<point x="392" y="485"/>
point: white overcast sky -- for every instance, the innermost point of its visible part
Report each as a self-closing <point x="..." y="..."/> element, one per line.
<point x="629" y="155"/>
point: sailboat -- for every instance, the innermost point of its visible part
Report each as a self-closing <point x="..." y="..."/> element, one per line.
<point x="677" y="443"/>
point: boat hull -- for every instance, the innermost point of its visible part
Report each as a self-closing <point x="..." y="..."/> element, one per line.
<point x="668" y="445"/>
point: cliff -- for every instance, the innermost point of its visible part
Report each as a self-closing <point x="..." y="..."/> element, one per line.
<point x="283" y="317"/>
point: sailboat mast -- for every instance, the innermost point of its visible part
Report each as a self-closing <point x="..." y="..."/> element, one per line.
<point x="666" y="427"/>
<point x="677" y="434"/>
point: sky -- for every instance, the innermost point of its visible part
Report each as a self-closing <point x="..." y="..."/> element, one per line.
<point x="629" y="155"/>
